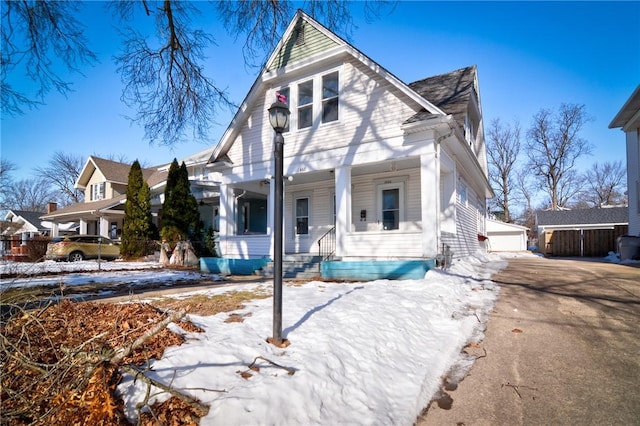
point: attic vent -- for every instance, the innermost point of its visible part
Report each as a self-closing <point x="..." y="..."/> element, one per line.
<point x="299" y="34"/>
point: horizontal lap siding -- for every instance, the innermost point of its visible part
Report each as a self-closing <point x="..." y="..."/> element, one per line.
<point x="320" y="218"/>
<point x="465" y="241"/>
<point x="385" y="245"/>
<point x="367" y="239"/>
<point x="369" y="111"/>
<point x="243" y="246"/>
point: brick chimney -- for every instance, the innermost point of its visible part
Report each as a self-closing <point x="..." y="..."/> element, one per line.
<point x="52" y="207"/>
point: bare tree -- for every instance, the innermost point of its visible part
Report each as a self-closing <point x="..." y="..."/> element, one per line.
<point x="29" y="195"/>
<point x="6" y="167"/>
<point x="61" y="173"/>
<point x="38" y="39"/>
<point x="503" y="147"/>
<point x="605" y="184"/>
<point x="553" y="147"/>
<point x="163" y="73"/>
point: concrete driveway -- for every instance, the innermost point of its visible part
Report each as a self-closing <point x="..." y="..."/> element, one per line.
<point x="562" y="348"/>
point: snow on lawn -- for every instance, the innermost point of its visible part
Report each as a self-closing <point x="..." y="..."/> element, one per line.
<point x="90" y="272"/>
<point x="363" y="352"/>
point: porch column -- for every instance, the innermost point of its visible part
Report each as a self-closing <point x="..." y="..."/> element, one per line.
<point x="343" y="208"/>
<point x="55" y="229"/>
<point x="225" y="213"/>
<point x="429" y="194"/>
<point x="83" y="227"/>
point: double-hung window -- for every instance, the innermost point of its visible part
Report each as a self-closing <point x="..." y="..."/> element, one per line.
<point x="97" y="191"/>
<point x="305" y="104"/>
<point x="283" y="96"/>
<point x="330" y="97"/>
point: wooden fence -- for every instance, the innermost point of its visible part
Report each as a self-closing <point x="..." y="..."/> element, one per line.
<point x="583" y="242"/>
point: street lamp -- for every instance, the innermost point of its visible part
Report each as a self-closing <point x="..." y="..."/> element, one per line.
<point x="279" y="119"/>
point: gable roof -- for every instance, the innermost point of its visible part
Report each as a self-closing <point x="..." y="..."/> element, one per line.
<point x="451" y="92"/>
<point x="605" y="215"/>
<point x="285" y="57"/>
<point x="32" y="218"/>
<point x="113" y="171"/>
<point x="629" y="112"/>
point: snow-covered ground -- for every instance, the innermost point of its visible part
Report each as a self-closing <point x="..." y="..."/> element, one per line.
<point x="363" y="353"/>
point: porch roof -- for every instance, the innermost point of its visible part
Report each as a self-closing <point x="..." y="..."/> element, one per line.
<point x="80" y="209"/>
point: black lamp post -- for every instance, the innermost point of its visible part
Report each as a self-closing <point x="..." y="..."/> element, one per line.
<point x="279" y="119"/>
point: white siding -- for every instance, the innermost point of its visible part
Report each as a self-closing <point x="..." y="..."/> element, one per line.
<point x="633" y="180"/>
<point x="370" y="110"/>
<point x="465" y="241"/>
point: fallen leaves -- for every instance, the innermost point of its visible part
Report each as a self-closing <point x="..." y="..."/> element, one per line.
<point x="55" y="365"/>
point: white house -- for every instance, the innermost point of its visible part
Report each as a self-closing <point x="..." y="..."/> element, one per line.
<point x="387" y="170"/>
<point x="628" y="119"/>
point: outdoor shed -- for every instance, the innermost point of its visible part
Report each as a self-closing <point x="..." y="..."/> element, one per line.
<point x="581" y="232"/>
<point x="506" y="236"/>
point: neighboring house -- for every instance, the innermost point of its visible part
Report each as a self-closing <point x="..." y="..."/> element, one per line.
<point x="392" y="170"/>
<point x="20" y="226"/>
<point x="628" y="119"/>
<point x="502" y="236"/>
<point x="581" y="232"/>
<point x="105" y="186"/>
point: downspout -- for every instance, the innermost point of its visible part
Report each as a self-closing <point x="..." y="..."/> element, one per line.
<point x="438" y="175"/>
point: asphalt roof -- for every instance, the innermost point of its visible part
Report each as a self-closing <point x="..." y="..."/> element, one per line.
<point x="451" y="92"/>
<point x="32" y="217"/>
<point x="608" y="215"/>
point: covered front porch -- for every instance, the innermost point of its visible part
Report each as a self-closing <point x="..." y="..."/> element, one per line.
<point x="373" y="212"/>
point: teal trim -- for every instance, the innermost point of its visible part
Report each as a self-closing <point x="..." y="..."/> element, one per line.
<point x="376" y="269"/>
<point x="220" y="265"/>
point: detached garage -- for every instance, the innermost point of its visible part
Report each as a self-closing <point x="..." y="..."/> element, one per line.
<point x="581" y="232"/>
<point x="505" y="236"/>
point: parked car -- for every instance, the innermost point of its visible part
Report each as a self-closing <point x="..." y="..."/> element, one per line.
<point x="74" y="248"/>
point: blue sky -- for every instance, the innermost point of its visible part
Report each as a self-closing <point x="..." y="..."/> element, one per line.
<point x="530" y="55"/>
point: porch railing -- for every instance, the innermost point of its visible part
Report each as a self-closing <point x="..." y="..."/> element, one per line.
<point x="326" y="246"/>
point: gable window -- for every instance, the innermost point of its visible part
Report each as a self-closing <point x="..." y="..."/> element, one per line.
<point x="305" y="104"/>
<point x="330" y="97"/>
<point x="302" y="216"/>
<point x="283" y="96"/>
<point x="98" y="191"/>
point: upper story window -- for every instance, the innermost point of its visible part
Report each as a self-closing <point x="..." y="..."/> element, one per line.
<point x="305" y="104"/>
<point x="98" y="191"/>
<point x="313" y="101"/>
<point x="283" y="96"/>
<point x="330" y="97"/>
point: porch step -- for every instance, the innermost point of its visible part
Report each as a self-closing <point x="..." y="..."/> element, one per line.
<point x="303" y="266"/>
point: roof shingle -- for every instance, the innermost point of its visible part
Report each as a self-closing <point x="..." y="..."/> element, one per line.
<point x="606" y="215"/>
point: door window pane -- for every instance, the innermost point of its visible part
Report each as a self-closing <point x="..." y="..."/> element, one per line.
<point x="390" y="209"/>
